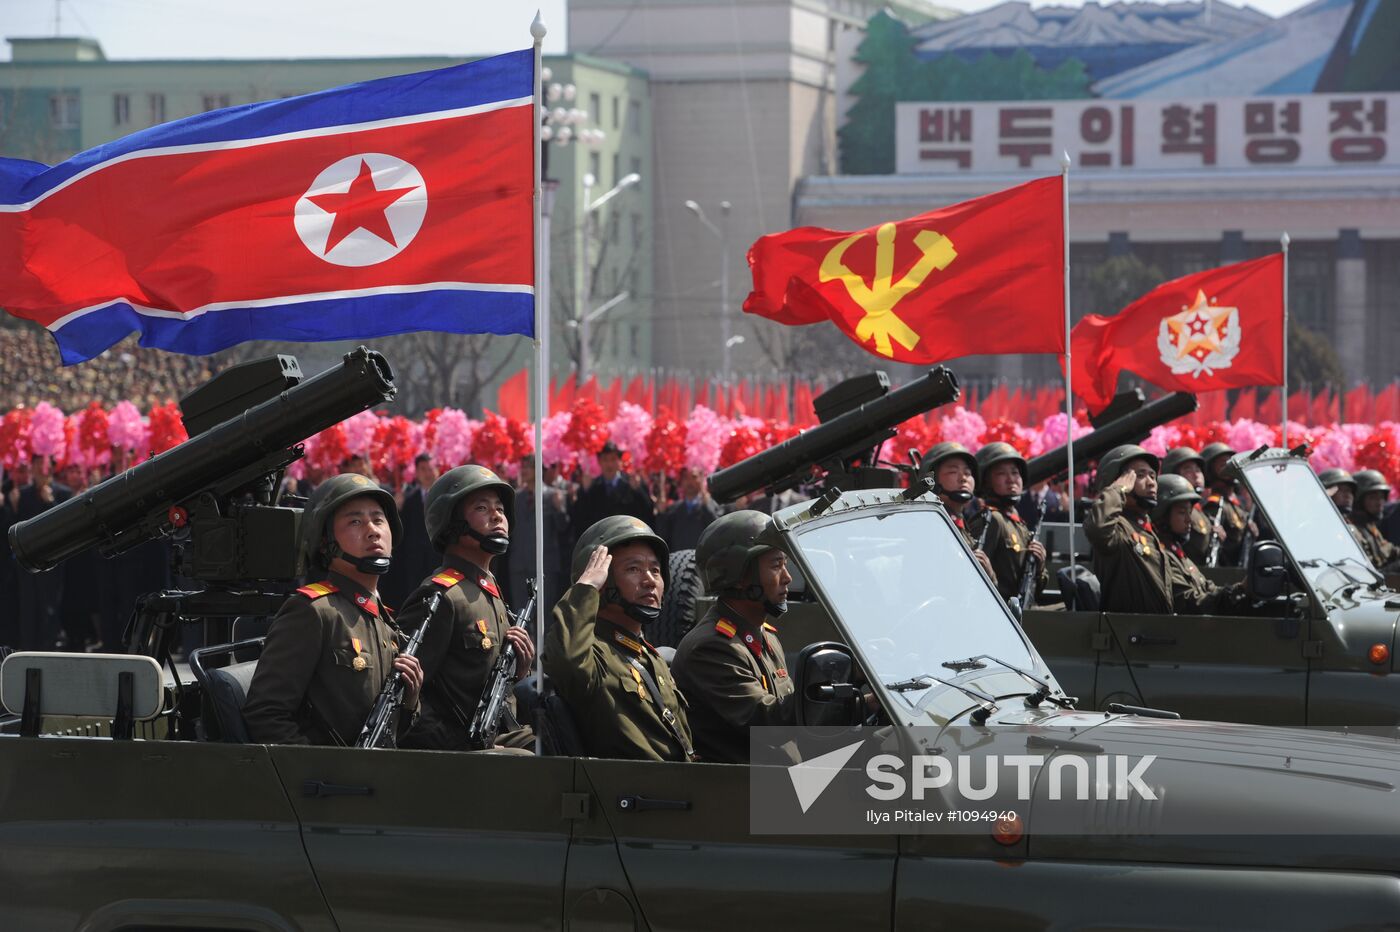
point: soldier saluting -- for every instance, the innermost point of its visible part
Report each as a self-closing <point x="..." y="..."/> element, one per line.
<point x="623" y="697"/>
<point x="469" y="511"/>
<point x="731" y="664"/>
<point x="332" y="644"/>
<point x="1008" y="541"/>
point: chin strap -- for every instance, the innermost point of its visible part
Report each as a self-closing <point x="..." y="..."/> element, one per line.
<point x="495" y="544"/>
<point x="1005" y="502"/>
<point x="641" y="614"/>
<point x="962" y="498"/>
<point x="1146" y="504"/>
<point x="375" y="566"/>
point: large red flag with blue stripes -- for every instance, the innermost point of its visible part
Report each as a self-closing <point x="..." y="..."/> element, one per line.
<point x="395" y="205"/>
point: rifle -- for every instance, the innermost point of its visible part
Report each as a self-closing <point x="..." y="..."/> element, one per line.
<point x="487" y="720"/>
<point x="1213" y="557"/>
<point x="377" y="732"/>
<point x="1247" y="541"/>
<point x="1030" y="569"/>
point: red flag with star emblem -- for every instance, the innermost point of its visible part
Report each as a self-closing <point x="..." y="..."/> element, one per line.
<point x="1221" y="328"/>
<point x="983" y="276"/>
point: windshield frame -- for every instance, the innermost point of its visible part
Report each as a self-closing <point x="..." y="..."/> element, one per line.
<point x="915" y="707"/>
<point x="1247" y="466"/>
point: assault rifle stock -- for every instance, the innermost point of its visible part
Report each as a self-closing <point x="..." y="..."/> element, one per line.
<point x="486" y="722"/>
<point x="378" y="730"/>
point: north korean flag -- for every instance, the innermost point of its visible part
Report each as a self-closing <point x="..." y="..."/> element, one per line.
<point x="395" y="205"/>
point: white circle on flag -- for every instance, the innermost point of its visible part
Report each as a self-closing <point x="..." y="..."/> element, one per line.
<point x="362" y="209"/>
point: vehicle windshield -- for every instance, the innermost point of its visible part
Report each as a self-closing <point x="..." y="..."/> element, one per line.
<point x="909" y="594"/>
<point x="1309" y="525"/>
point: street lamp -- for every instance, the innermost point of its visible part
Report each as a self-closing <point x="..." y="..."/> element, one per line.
<point x="726" y="341"/>
<point x="585" y="314"/>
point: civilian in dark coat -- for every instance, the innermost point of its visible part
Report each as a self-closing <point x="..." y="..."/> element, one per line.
<point x="40" y="594"/>
<point x="519" y="566"/>
<point x="612" y="493"/>
<point x="415" y="558"/>
<point x="681" y="524"/>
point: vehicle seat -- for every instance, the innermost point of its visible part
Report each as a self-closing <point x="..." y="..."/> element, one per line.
<point x="667" y="654"/>
<point x="121" y="688"/>
<point x="226" y="689"/>
<point x="555" y="724"/>
<point x="1079" y="588"/>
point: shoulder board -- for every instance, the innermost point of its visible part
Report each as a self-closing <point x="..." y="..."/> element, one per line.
<point x="448" y="578"/>
<point x="628" y="642"/>
<point x="1213" y="499"/>
<point x="725" y="628"/>
<point x="769" y="628"/>
<point x="316" y="590"/>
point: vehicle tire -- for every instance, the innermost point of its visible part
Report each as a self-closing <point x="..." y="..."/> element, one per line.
<point x="678" y="605"/>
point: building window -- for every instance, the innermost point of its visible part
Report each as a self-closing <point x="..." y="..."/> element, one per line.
<point x="617" y="113"/>
<point x="614" y="227"/>
<point x="215" y="102"/>
<point x="595" y="167"/>
<point x="157" y="105"/>
<point x="595" y="108"/>
<point x="636" y="332"/>
<point x="121" y="109"/>
<point x="634" y="117"/>
<point x="63" y="111"/>
<point x="617" y="167"/>
<point x="636" y="230"/>
<point x="637" y="170"/>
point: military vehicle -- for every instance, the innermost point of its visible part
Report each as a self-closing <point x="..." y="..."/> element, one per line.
<point x="102" y="833"/>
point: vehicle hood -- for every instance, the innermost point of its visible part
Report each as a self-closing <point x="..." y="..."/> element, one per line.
<point x="1230" y="794"/>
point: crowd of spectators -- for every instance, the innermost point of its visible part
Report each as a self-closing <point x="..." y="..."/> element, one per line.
<point x="126" y="372"/>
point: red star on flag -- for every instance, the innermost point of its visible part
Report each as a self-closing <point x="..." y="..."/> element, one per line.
<point x="361" y="208"/>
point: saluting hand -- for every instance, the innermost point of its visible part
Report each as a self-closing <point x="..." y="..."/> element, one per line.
<point x="595" y="574"/>
<point x="412" y="678"/>
<point x="524" y="650"/>
<point x="1126" y="481"/>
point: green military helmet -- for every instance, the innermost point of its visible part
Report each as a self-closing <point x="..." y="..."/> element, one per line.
<point x="728" y="547"/>
<point x="947" y="450"/>
<point x="1178" y="457"/>
<point x="991" y="454"/>
<point x="444" y="506"/>
<point x="1112" y="463"/>
<point x="1331" y="478"/>
<point x="1172" y="490"/>
<point x="321" y="507"/>
<point x="1213" y="452"/>
<point x="612" y="532"/>
<point x="1370" y="480"/>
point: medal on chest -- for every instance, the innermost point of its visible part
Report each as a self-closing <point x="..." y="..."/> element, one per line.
<point x="359" y="663"/>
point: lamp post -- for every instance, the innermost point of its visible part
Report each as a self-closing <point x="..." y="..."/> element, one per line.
<point x="585" y="314"/>
<point x="726" y="341"/>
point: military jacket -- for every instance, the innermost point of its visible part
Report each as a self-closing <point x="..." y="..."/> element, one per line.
<point x="734" y="675"/>
<point x="1233" y="520"/>
<point x="589" y="659"/>
<point x="323" y="665"/>
<point x="458" y="652"/>
<point x="1197" y="544"/>
<point x="1192" y="593"/>
<point x="1007" y="539"/>
<point x="1134" y="575"/>
<point x="1384" y="555"/>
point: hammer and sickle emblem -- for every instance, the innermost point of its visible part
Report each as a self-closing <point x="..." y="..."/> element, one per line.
<point x="879" y="298"/>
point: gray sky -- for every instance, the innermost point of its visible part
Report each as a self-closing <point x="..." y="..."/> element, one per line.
<point x="327" y="28"/>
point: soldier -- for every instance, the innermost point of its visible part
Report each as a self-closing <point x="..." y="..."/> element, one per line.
<point x="332" y="645"/>
<point x="1341" y="488"/>
<point x="1192" y="593"/>
<point x="731" y="665"/>
<point x="1371" y="493"/>
<point x="468" y="516"/>
<point x="1191" y="466"/>
<point x="1222" y="496"/>
<point x="623" y="697"/>
<point x="954" y="472"/>
<point x="1131" y="567"/>
<point x="1008" y="541"/>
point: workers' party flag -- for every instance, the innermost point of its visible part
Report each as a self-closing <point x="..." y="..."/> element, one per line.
<point x="984" y="276"/>
<point x="395" y="205"/>
<point x="1221" y="328"/>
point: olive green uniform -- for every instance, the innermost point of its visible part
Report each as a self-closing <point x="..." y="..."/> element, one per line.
<point x="322" y="667"/>
<point x="1384" y="555"/>
<point x="458" y="652"/>
<point x="1233" y="520"/>
<point x="968" y="536"/>
<point x="593" y="665"/>
<point x="734" y="675"/>
<point x="1197" y="544"/>
<point x="1192" y="593"/>
<point x="1132" y="568"/>
<point x="1006" y="545"/>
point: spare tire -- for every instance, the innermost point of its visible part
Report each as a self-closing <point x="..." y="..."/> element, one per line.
<point x="678" y="604"/>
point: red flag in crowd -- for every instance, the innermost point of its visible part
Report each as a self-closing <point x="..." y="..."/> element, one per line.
<point x="984" y="276"/>
<point x="513" y="399"/>
<point x="1222" y="328"/>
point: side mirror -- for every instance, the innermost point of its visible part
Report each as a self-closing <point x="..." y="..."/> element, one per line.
<point x="826" y="694"/>
<point x="1268" y="571"/>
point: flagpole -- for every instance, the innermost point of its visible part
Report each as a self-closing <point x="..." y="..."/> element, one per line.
<point x="1283" y="437"/>
<point x="1069" y="368"/>
<point x="541" y="278"/>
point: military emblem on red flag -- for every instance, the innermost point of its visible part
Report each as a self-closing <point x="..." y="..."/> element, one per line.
<point x="983" y="276"/>
<point x="1221" y="328"/>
